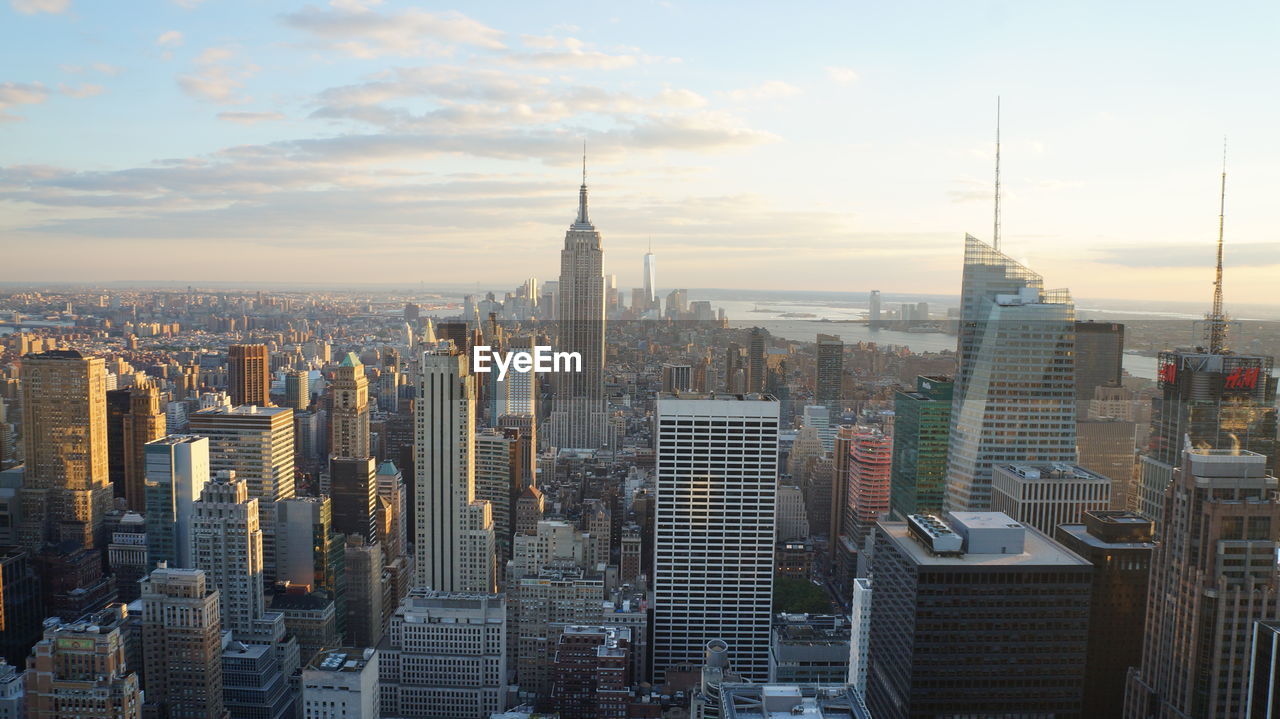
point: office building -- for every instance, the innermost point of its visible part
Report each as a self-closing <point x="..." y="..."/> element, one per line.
<point x="257" y="678"/>
<point x="980" y="616"/>
<point x="1119" y="546"/>
<point x="579" y="418"/>
<point x="829" y="373"/>
<point x="134" y="418"/>
<point x="66" y="489"/>
<point x="713" y="546"/>
<point x="873" y="309"/>
<point x="870" y="464"/>
<point x="677" y="378"/>
<point x="810" y="701"/>
<point x="454" y="532"/>
<point x="809" y="649"/>
<point x="921" y="431"/>
<point x="591" y="673"/>
<point x="445" y="657"/>
<point x="297" y="390"/>
<point x="21" y="608"/>
<point x="228" y="544"/>
<point x="756" y="367"/>
<point x="1099" y="354"/>
<point x="349" y="410"/>
<point x="127" y="556"/>
<point x="78" y="670"/>
<point x="1220" y="401"/>
<point x="1046" y="495"/>
<point x="13" y="700"/>
<point x="1015" y="369"/>
<point x="1213" y="575"/>
<point x="860" y="633"/>
<point x="310" y="553"/>
<point x="1108" y="446"/>
<point x="177" y="469"/>
<point x="342" y="684"/>
<point x="1263" y="701"/>
<point x="650" y="278"/>
<point x="363" y="569"/>
<point x="248" y="375"/>
<point x="497" y="481"/>
<point x="353" y="487"/>
<point x="182" y="646"/>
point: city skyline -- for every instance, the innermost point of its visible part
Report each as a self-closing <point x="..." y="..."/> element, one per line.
<point x="459" y="134"/>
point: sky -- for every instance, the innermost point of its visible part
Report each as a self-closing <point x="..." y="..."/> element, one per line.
<point x="824" y="146"/>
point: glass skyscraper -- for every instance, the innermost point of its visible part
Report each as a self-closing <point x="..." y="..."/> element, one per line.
<point x="921" y="426"/>
<point x="1014" y="395"/>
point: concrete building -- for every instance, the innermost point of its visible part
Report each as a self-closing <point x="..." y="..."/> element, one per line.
<point x="128" y="557"/>
<point x="363" y="571"/>
<point x="714" y="529"/>
<point x="860" y="633"/>
<point x="959" y="617"/>
<point x="353" y="487"/>
<point x="182" y="646"/>
<point x="792" y="521"/>
<point x="134" y="418"/>
<point x="1108" y="446"/>
<point x="870" y="469"/>
<point x="78" y="669"/>
<point x="297" y="390"/>
<point x="809" y="649"/>
<point x="228" y="547"/>
<point x="1213" y="576"/>
<point x="767" y="701"/>
<point x="248" y="375"/>
<point x="349" y="410"/>
<point x="444" y="657"/>
<point x="591" y="673"/>
<point x="342" y="684"/>
<point x="1046" y="495"/>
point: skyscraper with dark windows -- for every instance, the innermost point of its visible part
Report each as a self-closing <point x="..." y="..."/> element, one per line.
<point x="579" y="417"/>
<point x="1099" y="353"/>
<point x="829" y="373"/>
<point x="921" y="431"/>
<point x="1014" y="395"/>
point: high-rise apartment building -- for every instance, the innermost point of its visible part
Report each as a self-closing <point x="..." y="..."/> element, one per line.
<point x="579" y="418"/>
<point x="454" y="533"/>
<point x="349" y="410"/>
<point x="182" y="645"/>
<point x="78" y="670"/>
<point x="248" y="375"/>
<point x="228" y="542"/>
<point x="829" y="373"/>
<point x="980" y="616"/>
<point x="870" y="463"/>
<point x="445" y="657"/>
<point x="1212" y="576"/>
<point x="1119" y="545"/>
<point x="177" y="469"/>
<point x="921" y="431"/>
<point x="1099" y="354"/>
<point x="717" y="474"/>
<point x="1015" y="370"/>
<point x="66" y="489"/>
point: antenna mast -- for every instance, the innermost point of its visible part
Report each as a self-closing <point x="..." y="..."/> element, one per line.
<point x="995" y="234"/>
<point x="1217" y="319"/>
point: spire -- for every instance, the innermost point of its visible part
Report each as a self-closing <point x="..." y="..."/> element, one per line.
<point x="995" y="234"/>
<point x="1217" y="319"/>
<point x="582" y="191"/>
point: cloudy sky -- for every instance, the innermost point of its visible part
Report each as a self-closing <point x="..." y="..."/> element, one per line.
<point x="834" y="146"/>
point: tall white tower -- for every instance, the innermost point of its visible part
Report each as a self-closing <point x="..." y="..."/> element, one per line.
<point x="228" y="543"/>
<point x="714" y="536"/>
<point x="454" y="537"/>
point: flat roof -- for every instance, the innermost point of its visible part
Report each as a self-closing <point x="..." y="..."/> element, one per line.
<point x="1038" y="550"/>
<point x="1080" y="532"/>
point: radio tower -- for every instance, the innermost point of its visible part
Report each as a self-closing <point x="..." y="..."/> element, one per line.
<point x="995" y="234"/>
<point x="1217" y="319"/>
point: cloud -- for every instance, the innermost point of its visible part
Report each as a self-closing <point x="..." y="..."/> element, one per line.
<point x="842" y="75"/>
<point x="1252" y="254"/>
<point x="83" y="90"/>
<point x="171" y="38"/>
<point x="216" y="79"/>
<point x="572" y="53"/>
<point x="250" y="118"/>
<point x="105" y="69"/>
<point x="771" y="90"/>
<point x="355" y="29"/>
<point x="31" y="7"/>
<point x="20" y="93"/>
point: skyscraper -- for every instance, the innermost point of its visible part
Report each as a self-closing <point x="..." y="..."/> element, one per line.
<point x="66" y="489"/>
<point x="873" y="310"/>
<point x="248" y="375"/>
<point x="713" y="547"/>
<point x="756" y="361"/>
<point x="976" y="617"/>
<point x="1099" y="353"/>
<point x="229" y="549"/>
<point x="453" y="528"/>
<point x="829" y="373"/>
<point x="650" y="276"/>
<point x="177" y="469"/>
<point x="1212" y="576"/>
<point x="579" y="418"/>
<point x="353" y="486"/>
<point x="870" y="461"/>
<point x="921" y="428"/>
<point x="1015" y="369"/>
<point x="349" y="413"/>
<point x="182" y="645"/>
<point x="297" y="390"/>
<point x="140" y="422"/>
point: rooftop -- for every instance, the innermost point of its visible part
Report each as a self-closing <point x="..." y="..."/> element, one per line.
<point x="787" y="701"/>
<point x="341" y="660"/>
<point x="1038" y="550"/>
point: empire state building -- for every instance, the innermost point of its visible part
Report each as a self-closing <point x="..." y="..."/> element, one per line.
<point x="579" y="417"/>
